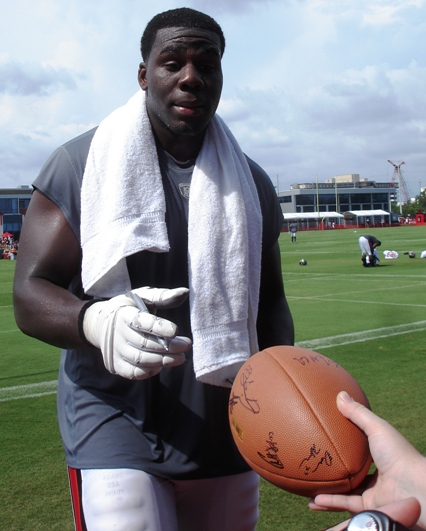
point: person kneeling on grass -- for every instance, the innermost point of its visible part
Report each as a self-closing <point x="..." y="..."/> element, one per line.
<point x="368" y="246"/>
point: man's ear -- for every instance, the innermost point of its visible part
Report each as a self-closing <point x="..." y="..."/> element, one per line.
<point x="142" y="76"/>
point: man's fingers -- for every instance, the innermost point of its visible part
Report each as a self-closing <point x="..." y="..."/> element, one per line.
<point x="156" y="345"/>
<point x="161" y="297"/>
<point x="138" y="345"/>
<point x="173" y="360"/>
<point x="134" y="372"/>
<point x="147" y="361"/>
<point x="179" y="344"/>
<point x="147" y="323"/>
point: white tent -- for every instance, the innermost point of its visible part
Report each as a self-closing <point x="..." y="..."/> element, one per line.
<point x="366" y="213"/>
<point x="371" y="214"/>
<point x="313" y="219"/>
<point x="311" y="215"/>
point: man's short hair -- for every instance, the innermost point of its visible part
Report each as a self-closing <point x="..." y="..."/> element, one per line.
<point x="183" y="17"/>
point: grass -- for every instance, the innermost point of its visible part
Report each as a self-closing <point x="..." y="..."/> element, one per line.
<point x="371" y="321"/>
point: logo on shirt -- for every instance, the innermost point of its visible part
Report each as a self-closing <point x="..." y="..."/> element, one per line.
<point x="184" y="189"/>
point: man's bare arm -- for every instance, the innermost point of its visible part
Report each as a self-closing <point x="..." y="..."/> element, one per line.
<point x="49" y="257"/>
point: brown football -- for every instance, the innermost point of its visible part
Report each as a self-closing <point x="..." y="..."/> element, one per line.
<point x="286" y="425"/>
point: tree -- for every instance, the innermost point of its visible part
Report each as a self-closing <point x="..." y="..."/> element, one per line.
<point x="410" y="209"/>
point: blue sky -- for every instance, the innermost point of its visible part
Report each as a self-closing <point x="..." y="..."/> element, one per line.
<point x="312" y="87"/>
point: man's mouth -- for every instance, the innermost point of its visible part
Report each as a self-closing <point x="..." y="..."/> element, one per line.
<point x="188" y="107"/>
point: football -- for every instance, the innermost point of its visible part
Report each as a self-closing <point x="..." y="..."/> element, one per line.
<point x="286" y="425"/>
<point x="303" y="262"/>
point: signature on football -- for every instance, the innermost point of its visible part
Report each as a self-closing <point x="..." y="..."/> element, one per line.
<point x="316" y="358"/>
<point x="270" y="455"/>
<point x="315" y="460"/>
<point x="244" y="399"/>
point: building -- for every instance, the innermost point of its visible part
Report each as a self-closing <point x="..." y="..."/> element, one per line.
<point x="341" y="194"/>
<point x="13" y="207"/>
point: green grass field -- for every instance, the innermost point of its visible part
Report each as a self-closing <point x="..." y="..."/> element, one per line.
<point x="370" y="320"/>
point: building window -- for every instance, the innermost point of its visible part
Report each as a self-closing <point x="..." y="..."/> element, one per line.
<point x="308" y="199"/>
<point x="380" y="198"/>
<point x="12" y="223"/>
<point x="285" y="199"/>
<point x="8" y="205"/>
<point x="327" y="199"/>
<point x="361" y="201"/>
<point x="23" y="205"/>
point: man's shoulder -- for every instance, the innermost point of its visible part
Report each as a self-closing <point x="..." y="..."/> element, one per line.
<point x="257" y="171"/>
<point x="65" y="165"/>
<point x="261" y="179"/>
<point x="80" y="143"/>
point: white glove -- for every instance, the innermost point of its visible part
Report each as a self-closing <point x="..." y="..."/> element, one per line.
<point x="134" y="343"/>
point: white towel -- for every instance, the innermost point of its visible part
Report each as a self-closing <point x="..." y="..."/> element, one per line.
<point x="123" y="212"/>
<point x="225" y="225"/>
<point x="122" y="199"/>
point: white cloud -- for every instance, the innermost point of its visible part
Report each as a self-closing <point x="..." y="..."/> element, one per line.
<point x="389" y="12"/>
<point x="234" y="6"/>
<point x="26" y="78"/>
<point x="311" y="86"/>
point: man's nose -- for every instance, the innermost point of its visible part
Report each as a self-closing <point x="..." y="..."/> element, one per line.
<point x="191" y="77"/>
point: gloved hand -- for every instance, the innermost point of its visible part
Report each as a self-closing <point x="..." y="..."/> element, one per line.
<point x="134" y="343"/>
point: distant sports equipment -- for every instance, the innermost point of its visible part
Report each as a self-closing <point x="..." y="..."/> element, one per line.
<point x="303" y="262"/>
<point x="286" y="425"/>
<point x="411" y="254"/>
<point x="391" y="255"/>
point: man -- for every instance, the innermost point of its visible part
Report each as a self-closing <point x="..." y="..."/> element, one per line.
<point x="293" y="231"/>
<point x="368" y="245"/>
<point x="143" y="416"/>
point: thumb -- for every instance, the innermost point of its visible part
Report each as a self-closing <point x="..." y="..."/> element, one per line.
<point x="162" y="297"/>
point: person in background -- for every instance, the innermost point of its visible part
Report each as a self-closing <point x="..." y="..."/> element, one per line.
<point x="165" y="204"/>
<point x="398" y="488"/>
<point x="293" y="231"/>
<point x="368" y="245"/>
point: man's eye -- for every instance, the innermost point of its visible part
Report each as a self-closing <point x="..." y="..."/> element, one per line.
<point x="172" y="66"/>
<point x="206" y="67"/>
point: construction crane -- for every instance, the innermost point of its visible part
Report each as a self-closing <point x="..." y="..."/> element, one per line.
<point x="402" y="185"/>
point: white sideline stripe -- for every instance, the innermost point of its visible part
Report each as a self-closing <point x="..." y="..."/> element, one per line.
<point x="366" y="335"/>
<point x="324" y="298"/>
<point x="361" y="276"/>
<point x="28" y="391"/>
<point x="36" y="395"/>
<point x="49" y="388"/>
